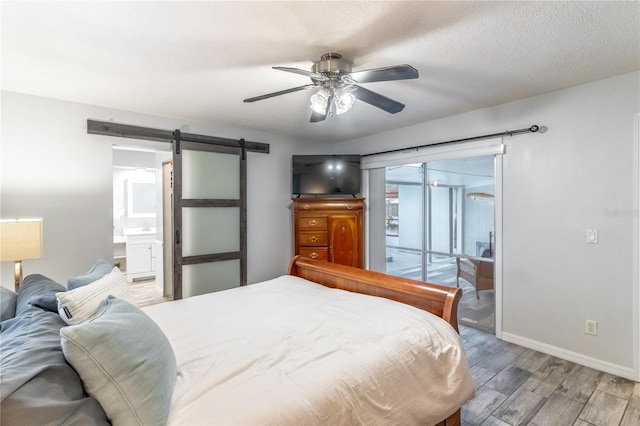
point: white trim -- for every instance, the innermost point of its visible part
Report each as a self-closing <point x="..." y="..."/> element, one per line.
<point x="132" y="148"/>
<point x="497" y="266"/>
<point x="364" y="191"/>
<point x="375" y="211"/>
<point x="435" y="153"/>
<point x="636" y="249"/>
<point x="576" y="357"/>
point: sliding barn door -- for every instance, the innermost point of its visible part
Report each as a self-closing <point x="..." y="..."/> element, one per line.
<point x="209" y="218"/>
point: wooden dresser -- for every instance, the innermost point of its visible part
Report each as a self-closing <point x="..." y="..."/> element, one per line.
<point x="330" y="229"/>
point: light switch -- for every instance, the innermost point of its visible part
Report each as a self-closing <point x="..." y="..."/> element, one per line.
<point x="592" y="236"/>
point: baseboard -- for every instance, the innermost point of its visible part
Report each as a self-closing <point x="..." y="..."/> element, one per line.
<point x="607" y="367"/>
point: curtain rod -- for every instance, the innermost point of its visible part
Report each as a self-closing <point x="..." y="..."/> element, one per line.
<point x="531" y="129"/>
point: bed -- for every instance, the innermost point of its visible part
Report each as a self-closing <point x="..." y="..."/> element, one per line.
<point x="284" y="351"/>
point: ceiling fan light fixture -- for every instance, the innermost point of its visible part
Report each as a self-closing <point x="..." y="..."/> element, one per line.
<point x="320" y="100"/>
<point x="344" y="100"/>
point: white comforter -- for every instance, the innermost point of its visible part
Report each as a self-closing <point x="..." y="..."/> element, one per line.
<point x="288" y="351"/>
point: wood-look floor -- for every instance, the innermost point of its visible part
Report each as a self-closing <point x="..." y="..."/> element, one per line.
<point x="145" y="293"/>
<point x="518" y="386"/>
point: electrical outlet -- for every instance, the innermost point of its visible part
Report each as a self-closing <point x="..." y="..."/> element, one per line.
<point x="591" y="327"/>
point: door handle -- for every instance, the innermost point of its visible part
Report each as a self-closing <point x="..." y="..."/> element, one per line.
<point x="178" y="236"/>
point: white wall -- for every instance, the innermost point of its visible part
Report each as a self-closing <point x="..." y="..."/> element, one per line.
<point x="51" y="168"/>
<point x="579" y="174"/>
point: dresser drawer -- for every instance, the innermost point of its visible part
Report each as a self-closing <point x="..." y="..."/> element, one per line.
<point x="315" y="253"/>
<point x="344" y="204"/>
<point x="313" y="222"/>
<point x="313" y="238"/>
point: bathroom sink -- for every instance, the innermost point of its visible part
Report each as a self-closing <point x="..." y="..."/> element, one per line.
<point x="139" y="231"/>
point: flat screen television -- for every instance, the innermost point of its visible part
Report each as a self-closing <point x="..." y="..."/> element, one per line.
<point x="326" y="174"/>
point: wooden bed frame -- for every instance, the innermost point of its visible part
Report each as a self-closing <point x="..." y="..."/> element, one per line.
<point x="439" y="300"/>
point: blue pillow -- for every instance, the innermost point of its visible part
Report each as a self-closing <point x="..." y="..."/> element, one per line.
<point x="105" y="350"/>
<point x="97" y="271"/>
<point x="40" y="291"/>
<point x="7" y="304"/>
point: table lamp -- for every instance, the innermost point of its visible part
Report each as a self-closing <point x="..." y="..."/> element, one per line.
<point x="20" y="239"/>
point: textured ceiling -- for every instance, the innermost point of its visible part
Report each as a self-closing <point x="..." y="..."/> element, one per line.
<point x="199" y="60"/>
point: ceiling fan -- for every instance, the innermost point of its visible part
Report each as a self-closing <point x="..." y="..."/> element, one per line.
<point x="338" y="87"/>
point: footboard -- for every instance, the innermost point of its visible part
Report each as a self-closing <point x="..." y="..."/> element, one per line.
<point x="439" y="300"/>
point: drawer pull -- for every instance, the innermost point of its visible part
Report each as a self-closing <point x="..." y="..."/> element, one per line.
<point x="306" y="206"/>
<point x="313" y="255"/>
<point x="313" y="222"/>
<point x="349" y="206"/>
<point x="313" y="238"/>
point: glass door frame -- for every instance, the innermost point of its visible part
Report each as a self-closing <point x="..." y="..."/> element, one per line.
<point x="419" y="250"/>
<point x="426" y="236"/>
<point x="373" y="166"/>
<point x="455" y="228"/>
<point x="179" y="203"/>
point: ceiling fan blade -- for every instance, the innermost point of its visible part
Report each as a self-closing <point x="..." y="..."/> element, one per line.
<point x="400" y="72"/>
<point x="309" y="74"/>
<point x="377" y="100"/>
<point x="316" y="116"/>
<point x="281" y="92"/>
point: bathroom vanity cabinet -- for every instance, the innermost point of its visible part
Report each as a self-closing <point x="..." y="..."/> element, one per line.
<point x="141" y="256"/>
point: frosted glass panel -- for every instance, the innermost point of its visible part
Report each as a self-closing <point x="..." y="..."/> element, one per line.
<point x="210" y="175"/>
<point x="208" y="277"/>
<point x="210" y="230"/>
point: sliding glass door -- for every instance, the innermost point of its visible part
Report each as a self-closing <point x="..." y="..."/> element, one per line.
<point x="440" y="227"/>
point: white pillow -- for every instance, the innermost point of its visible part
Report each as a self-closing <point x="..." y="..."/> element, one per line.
<point x="81" y="304"/>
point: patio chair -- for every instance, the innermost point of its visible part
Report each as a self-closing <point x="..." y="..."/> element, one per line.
<point x="477" y="272"/>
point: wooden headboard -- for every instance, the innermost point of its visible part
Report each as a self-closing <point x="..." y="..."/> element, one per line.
<point x="437" y="299"/>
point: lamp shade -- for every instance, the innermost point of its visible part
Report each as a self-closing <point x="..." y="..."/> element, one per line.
<point x="20" y="239"/>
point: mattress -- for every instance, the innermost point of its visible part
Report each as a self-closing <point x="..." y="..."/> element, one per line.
<point x="289" y="351"/>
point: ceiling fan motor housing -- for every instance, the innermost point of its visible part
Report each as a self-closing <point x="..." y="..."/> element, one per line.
<point x="331" y="65"/>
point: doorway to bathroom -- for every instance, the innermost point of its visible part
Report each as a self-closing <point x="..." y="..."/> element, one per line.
<point x="139" y="211"/>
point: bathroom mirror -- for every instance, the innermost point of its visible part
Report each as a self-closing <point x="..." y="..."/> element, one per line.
<point x="141" y="198"/>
